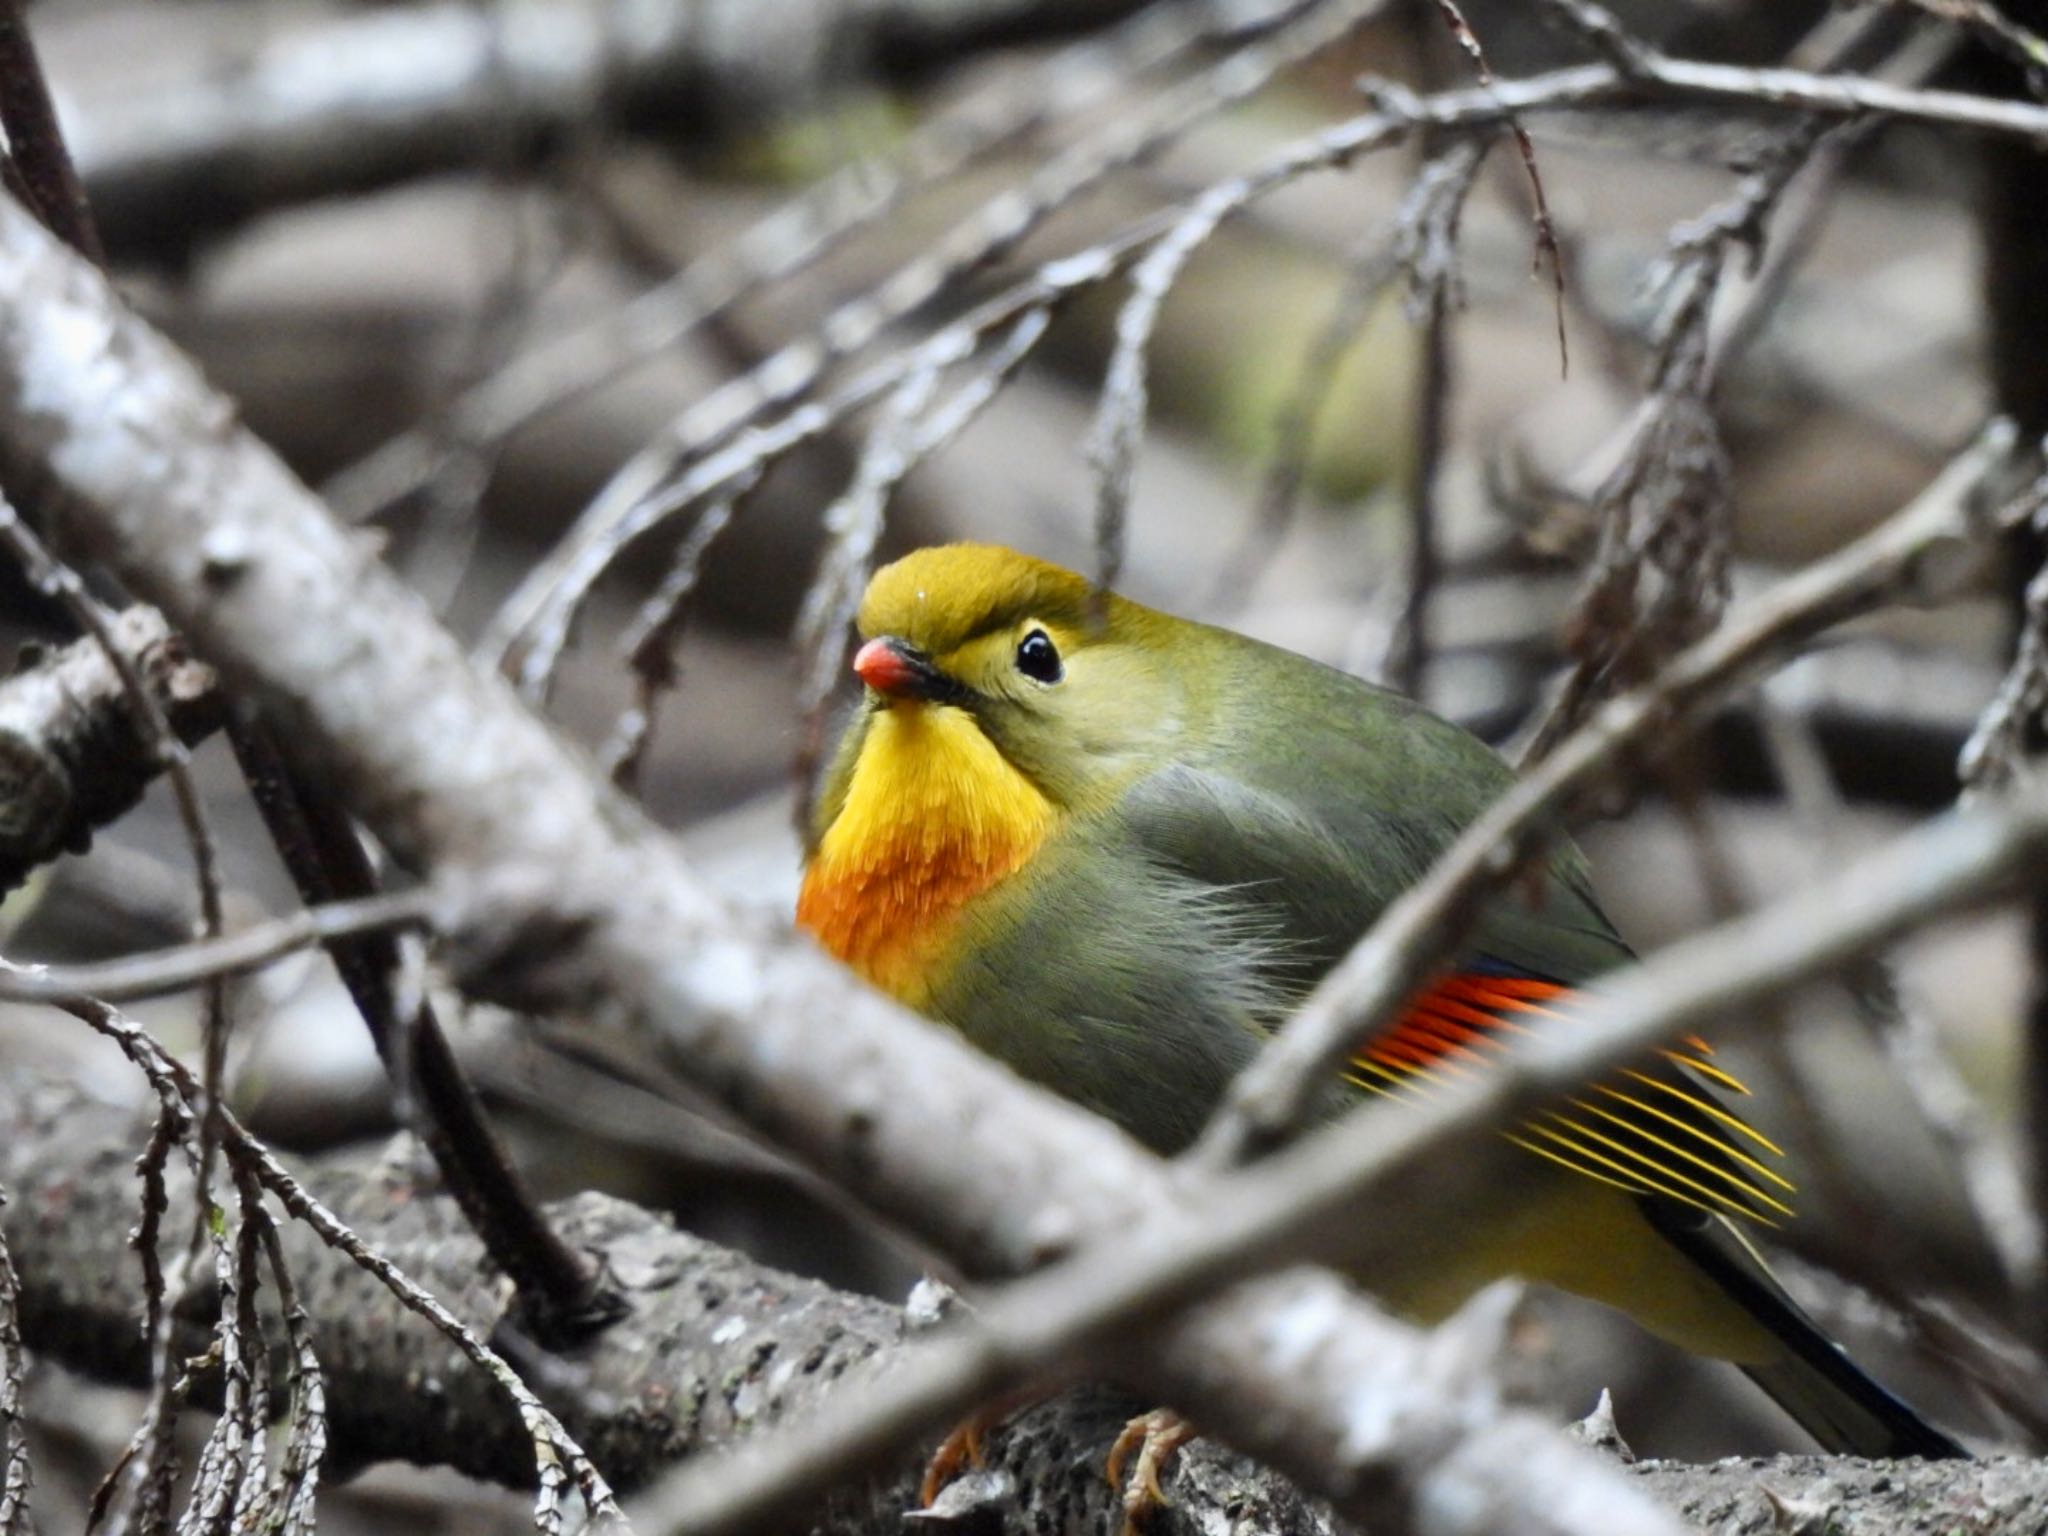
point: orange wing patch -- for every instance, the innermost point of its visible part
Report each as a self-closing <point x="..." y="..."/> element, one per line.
<point x="1653" y="1130"/>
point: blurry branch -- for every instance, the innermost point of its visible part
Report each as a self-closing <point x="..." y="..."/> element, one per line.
<point x="1923" y="554"/>
<point x="338" y="100"/>
<point x="1546" y="244"/>
<point x="1652" y="73"/>
<point x="35" y="149"/>
<point x="71" y="755"/>
<point x="800" y="233"/>
<point x="2011" y="187"/>
<point x="1369" y="267"/>
<point x="563" y="893"/>
<point x="188" y="965"/>
<point x="1985" y="18"/>
<point x="1999" y="749"/>
<point x="1993" y="1185"/>
<point x="736" y="425"/>
<point x="1987" y="1351"/>
<point x="344" y="100"/>
<point x="1428" y="250"/>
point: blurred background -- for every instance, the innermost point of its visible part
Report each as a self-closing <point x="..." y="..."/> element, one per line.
<point x="460" y="264"/>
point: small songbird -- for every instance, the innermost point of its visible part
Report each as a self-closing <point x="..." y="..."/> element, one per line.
<point x="1114" y="848"/>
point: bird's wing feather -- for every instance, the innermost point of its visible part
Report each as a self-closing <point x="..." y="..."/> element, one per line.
<point x="1658" y="1128"/>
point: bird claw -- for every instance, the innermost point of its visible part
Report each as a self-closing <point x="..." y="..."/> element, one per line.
<point x="1155" y="1436"/>
<point x="967" y="1444"/>
<point x="963" y="1447"/>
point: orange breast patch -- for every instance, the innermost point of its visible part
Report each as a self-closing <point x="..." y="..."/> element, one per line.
<point x="933" y="816"/>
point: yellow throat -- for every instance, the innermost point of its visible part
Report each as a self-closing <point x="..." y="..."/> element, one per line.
<point x="934" y="815"/>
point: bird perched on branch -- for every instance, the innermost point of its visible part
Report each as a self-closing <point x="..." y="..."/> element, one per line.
<point x="1113" y="848"/>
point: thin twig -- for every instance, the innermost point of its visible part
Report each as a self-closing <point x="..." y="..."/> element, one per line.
<point x="1120" y="415"/>
<point x="2022" y="45"/>
<point x="133" y="977"/>
<point x="559" y="1459"/>
<point x="298" y="1475"/>
<point x="560" y="1296"/>
<point x="1834" y="96"/>
<point x="1547" y="248"/>
<point x="1953" y="1115"/>
<point x="1428" y="244"/>
<point x="649" y="643"/>
<point x="1997" y="752"/>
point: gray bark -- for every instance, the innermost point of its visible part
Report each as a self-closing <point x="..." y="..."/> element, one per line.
<point x="714" y="1345"/>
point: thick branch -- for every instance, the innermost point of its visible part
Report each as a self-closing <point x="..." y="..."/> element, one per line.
<point x="714" y="1344"/>
<point x="342" y="100"/>
<point x="716" y="1347"/>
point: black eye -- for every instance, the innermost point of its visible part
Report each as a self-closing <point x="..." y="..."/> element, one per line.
<point x="1038" y="658"/>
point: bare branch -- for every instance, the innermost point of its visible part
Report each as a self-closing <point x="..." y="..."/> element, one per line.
<point x="165" y="747"/>
<point x="338" y="101"/>
<point x="1996" y="753"/>
<point x="715" y="1348"/>
<point x="1546" y="231"/>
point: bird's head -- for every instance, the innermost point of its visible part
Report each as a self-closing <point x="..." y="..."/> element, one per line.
<point x="1075" y="687"/>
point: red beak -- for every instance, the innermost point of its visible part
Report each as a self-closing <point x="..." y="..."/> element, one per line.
<point x="884" y="667"/>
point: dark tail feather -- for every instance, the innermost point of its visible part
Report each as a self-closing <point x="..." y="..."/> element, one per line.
<point x="1816" y="1381"/>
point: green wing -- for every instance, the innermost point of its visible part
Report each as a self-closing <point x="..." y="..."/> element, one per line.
<point x="1322" y="833"/>
<point x="1345" y="807"/>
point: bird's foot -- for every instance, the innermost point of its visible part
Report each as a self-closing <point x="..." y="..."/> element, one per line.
<point x="1155" y="1436"/>
<point x="966" y="1445"/>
